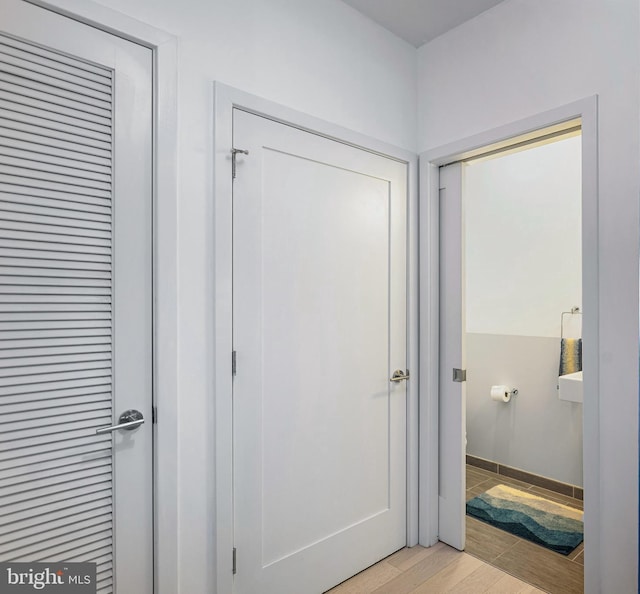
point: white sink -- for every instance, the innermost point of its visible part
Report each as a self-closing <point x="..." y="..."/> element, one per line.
<point x="570" y="387"/>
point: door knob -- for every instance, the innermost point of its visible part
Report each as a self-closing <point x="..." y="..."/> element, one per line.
<point x="129" y="420"/>
<point x="399" y="376"/>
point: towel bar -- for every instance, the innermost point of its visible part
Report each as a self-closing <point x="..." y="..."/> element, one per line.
<point x="574" y="311"/>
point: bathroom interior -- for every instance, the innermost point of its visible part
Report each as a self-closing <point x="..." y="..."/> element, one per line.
<point x="522" y="339"/>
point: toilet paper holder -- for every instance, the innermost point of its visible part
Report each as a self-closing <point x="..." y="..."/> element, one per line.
<point x="502" y="393"/>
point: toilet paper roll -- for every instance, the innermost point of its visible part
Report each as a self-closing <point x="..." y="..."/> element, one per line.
<point x="501" y="393"/>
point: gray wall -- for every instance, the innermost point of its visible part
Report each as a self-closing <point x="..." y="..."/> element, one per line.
<point x="535" y="431"/>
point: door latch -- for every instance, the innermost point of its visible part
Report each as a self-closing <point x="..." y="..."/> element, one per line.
<point x="234" y="152"/>
<point x="459" y="375"/>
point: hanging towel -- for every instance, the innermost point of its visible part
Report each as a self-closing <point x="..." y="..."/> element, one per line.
<point x="570" y="355"/>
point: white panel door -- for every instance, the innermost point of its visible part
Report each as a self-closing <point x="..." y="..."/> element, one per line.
<point x="319" y="328"/>
<point x="452" y="450"/>
<point x="75" y="297"/>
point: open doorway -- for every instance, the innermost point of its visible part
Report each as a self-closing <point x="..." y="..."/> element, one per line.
<point x="443" y="413"/>
<point x="521" y="340"/>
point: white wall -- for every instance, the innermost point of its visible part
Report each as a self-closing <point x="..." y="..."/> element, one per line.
<point x="519" y="59"/>
<point x="523" y="253"/>
<point x="322" y="58"/>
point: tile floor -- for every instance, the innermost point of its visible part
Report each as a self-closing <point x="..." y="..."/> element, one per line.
<point x="536" y="565"/>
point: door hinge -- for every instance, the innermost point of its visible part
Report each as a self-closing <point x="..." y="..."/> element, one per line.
<point x="233" y="362"/>
<point x="154" y="415"/>
<point x="459" y="375"/>
<point x="234" y="561"/>
<point x="234" y="152"/>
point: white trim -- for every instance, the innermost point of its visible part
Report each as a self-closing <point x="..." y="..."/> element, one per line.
<point x="109" y="20"/>
<point x="429" y="233"/>
<point x="587" y="110"/>
<point x="165" y="325"/>
<point x="166" y="557"/>
<point x="225" y="99"/>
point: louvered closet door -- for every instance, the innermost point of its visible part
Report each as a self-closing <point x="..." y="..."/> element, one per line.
<point x="75" y="296"/>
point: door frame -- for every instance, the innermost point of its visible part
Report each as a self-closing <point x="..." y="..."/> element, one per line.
<point x="164" y="268"/>
<point x="227" y="98"/>
<point x="430" y="161"/>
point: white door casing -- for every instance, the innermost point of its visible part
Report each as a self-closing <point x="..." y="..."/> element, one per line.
<point x="75" y="201"/>
<point x="452" y="449"/>
<point x="319" y="327"/>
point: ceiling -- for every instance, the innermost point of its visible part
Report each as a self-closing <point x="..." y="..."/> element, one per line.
<point x="420" y="21"/>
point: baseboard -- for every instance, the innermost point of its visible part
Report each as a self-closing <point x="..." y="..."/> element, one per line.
<point x="527" y="477"/>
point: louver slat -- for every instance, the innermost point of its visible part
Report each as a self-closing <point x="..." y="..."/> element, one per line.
<point x="31" y="530"/>
<point x="50" y="154"/>
<point x="56" y="497"/>
<point x="55" y="61"/>
<point x="36" y="109"/>
<point x="70" y="134"/>
<point x="34" y="455"/>
<point x="16" y="155"/>
<point x="64" y="78"/>
<point x="41" y="139"/>
<point x="73" y="95"/>
<point x="31" y="164"/>
<point x="54" y="468"/>
<point x="74" y="510"/>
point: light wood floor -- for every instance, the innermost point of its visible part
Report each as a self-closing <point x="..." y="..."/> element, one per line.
<point x="436" y="570"/>
<point x="441" y="569"/>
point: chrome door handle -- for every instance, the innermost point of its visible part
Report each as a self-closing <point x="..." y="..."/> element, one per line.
<point x="399" y="376"/>
<point x="129" y="420"/>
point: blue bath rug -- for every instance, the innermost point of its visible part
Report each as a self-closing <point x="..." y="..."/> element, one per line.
<point x="553" y="525"/>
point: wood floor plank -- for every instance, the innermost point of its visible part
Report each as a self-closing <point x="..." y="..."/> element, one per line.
<point x="573" y="554"/>
<point x="580" y="558"/>
<point x="492" y="481"/>
<point x="542" y="568"/>
<point x="559" y="497"/>
<point x="487" y="542"/>
<point x="368" y="580"/>
<point x="477" y="490"/>
<point x="474" y="477"/>
<point x="447" y="579"/>
<point x="408" y="557"/>
<point x="533" y="590"/>
<point x="479" y="581"/>
<point x="413" y="577"/>
<point x="509" y="585"/>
